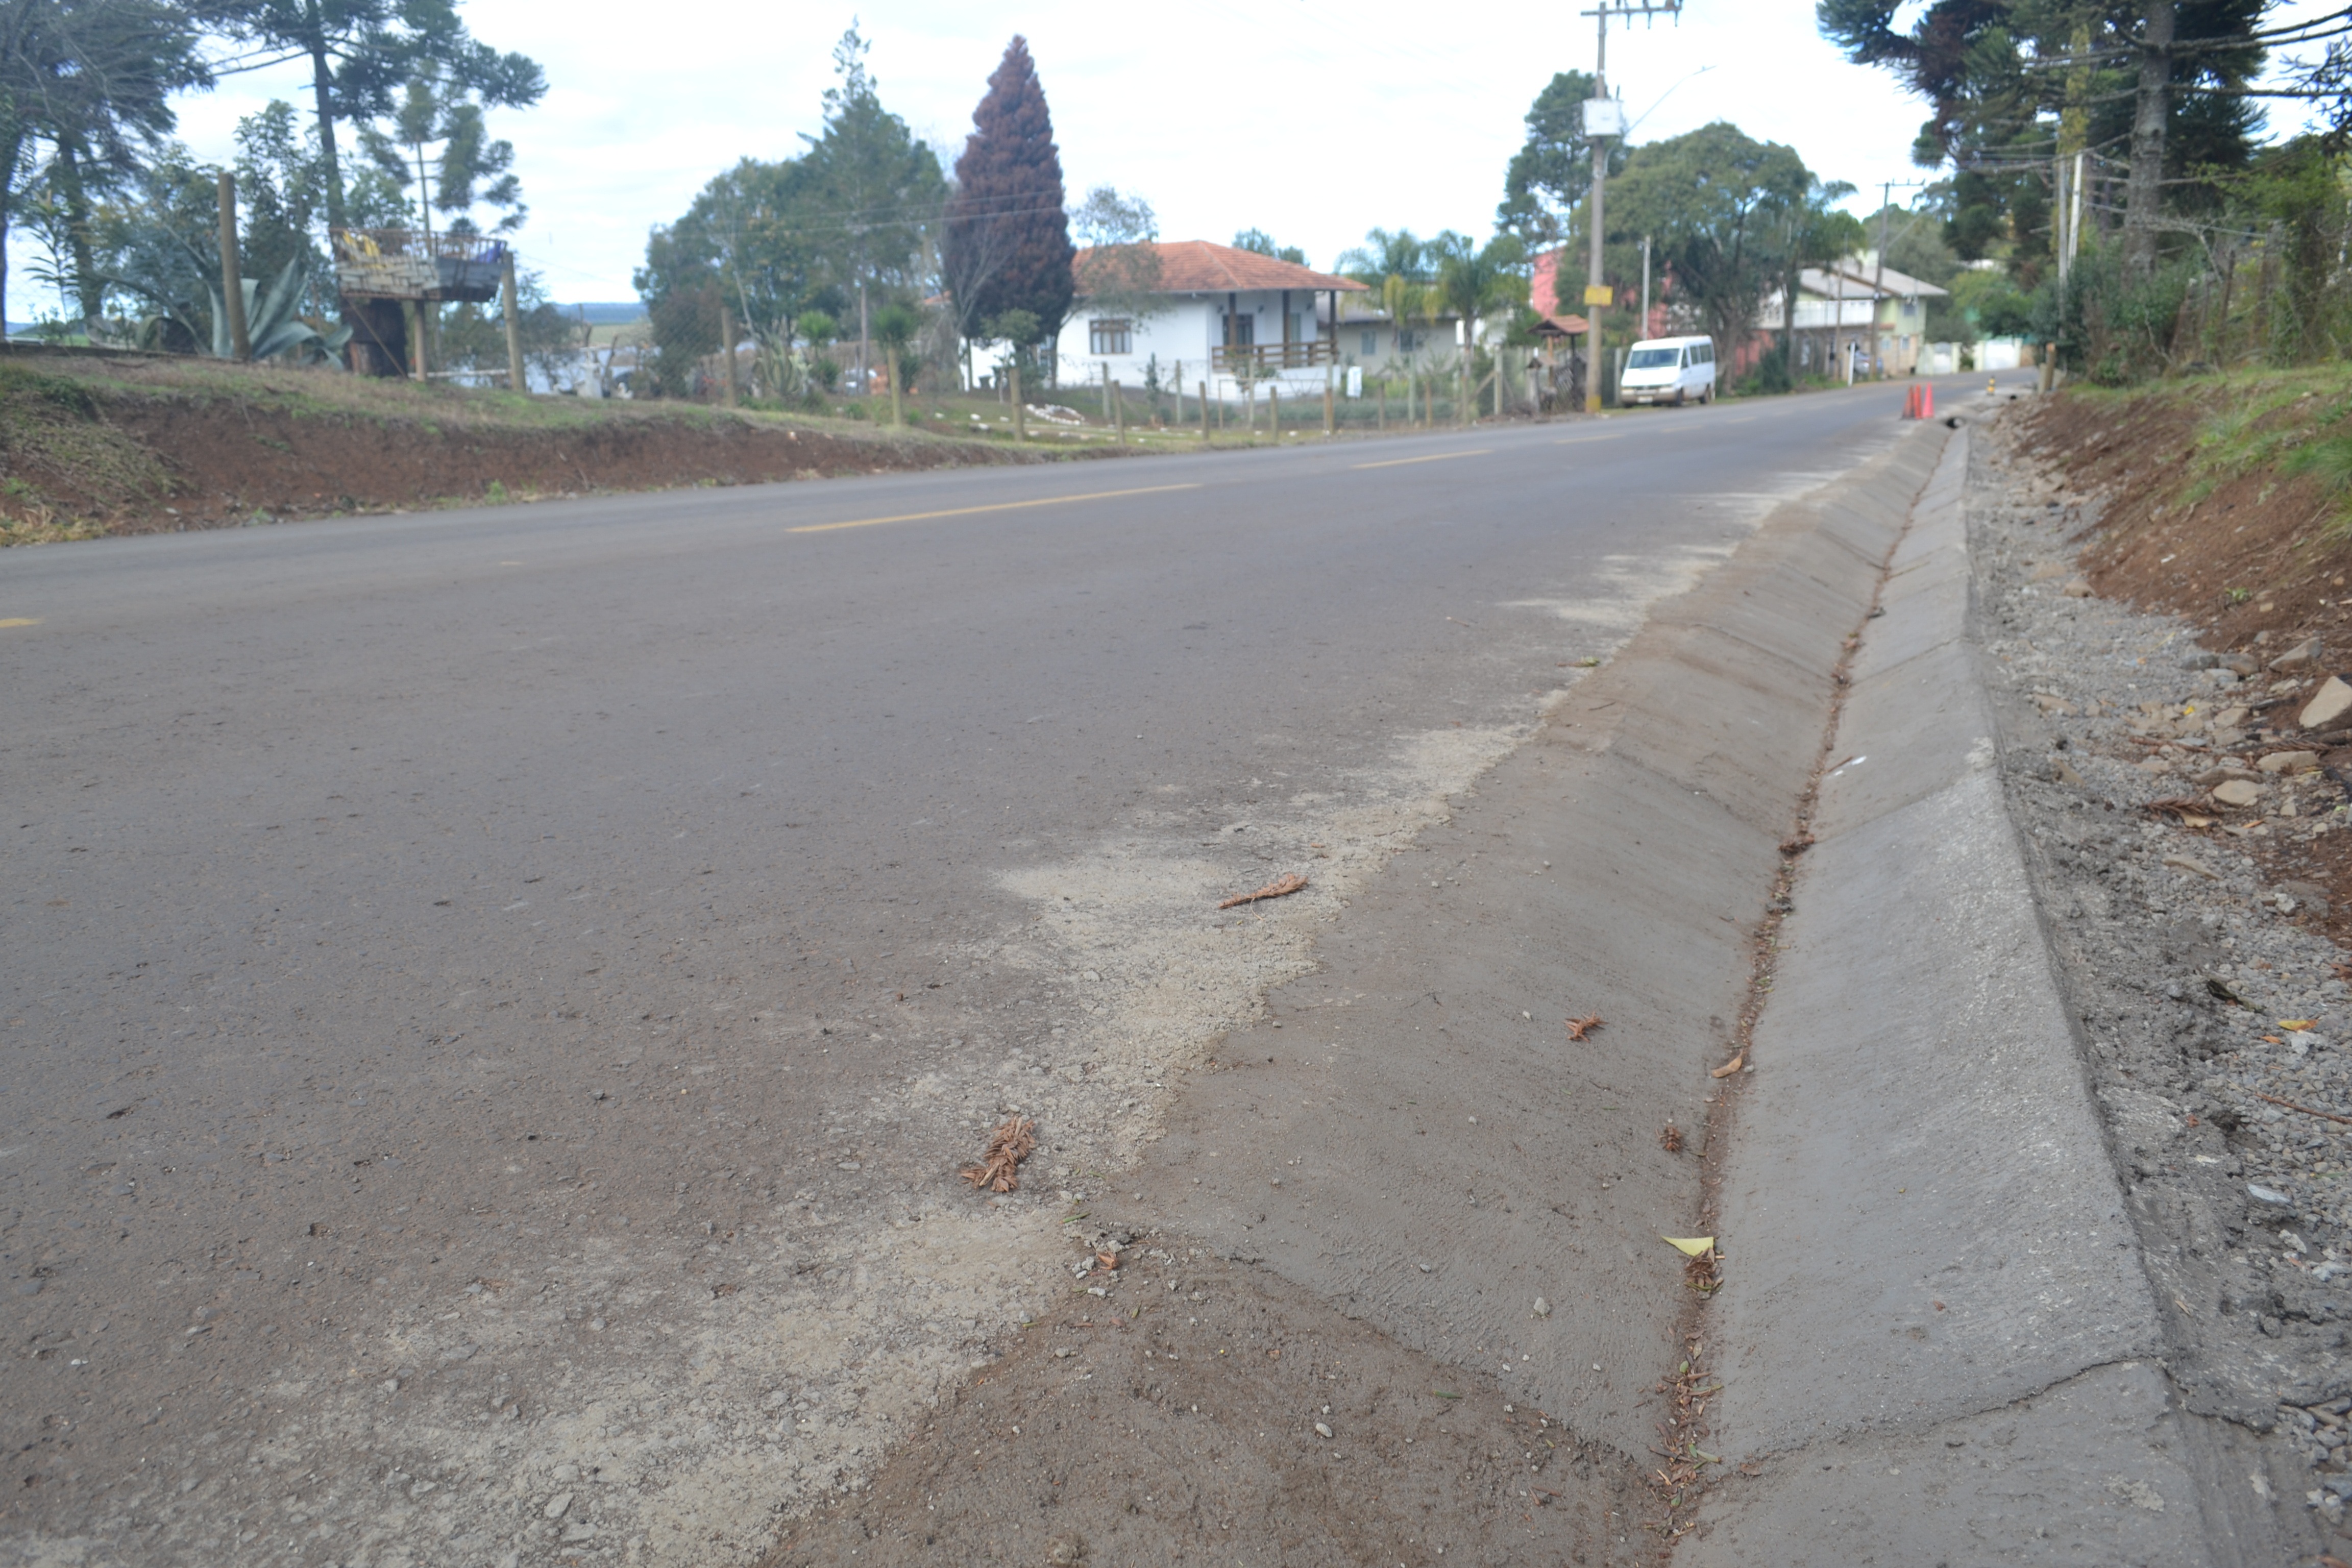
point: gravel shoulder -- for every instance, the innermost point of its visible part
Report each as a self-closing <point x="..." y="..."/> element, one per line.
<point x="2166" y="799"/>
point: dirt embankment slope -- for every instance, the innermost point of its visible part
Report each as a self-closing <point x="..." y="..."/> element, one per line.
<point x="93" y="445"/>
<point x="2226" y="501"/>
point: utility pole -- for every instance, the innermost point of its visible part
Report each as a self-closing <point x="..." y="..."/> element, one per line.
<point x="515" y="380"/>
<point x="2074" y="137"/>
<point x="1604" y="117"/>
<point x="232" y="283"/>
<point x="1878" y="280"/>
<point x="1643" y="330"/>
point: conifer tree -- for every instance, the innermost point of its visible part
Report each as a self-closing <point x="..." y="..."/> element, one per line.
<point x="1007" y="238"/>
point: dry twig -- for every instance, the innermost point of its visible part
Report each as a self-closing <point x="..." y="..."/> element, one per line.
<point x="1288" y="882"/>
<point x="2306" y="1110"/>
<point x="1007" y="1147"/>
<point x="1580" y="1028"/>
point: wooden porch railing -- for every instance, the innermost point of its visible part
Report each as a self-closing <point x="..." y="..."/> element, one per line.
<point x="1267" y="357"/>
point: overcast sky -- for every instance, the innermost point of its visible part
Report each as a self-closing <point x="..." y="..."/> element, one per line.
<point x="1309" y="119"/>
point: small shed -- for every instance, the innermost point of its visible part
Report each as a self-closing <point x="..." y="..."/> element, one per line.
<point x="384" y="274"/>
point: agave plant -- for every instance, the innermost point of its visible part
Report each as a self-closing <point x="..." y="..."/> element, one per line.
<point x="272" y="323"/>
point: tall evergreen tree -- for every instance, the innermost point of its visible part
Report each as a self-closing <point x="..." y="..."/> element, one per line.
<point x="881" y="185"/>
<point x="1007" y="240"/>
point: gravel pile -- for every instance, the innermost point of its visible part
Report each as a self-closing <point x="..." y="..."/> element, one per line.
<point x="2153" y="782"/>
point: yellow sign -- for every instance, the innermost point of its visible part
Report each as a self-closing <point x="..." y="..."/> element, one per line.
<point x="1599" y="294"/>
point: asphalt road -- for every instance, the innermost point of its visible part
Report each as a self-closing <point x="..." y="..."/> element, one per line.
<point x="438" y="944"/>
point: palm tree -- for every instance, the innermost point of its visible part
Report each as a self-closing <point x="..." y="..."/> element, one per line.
<point x="896" y="326"/>
<point x="1478" y="282"/>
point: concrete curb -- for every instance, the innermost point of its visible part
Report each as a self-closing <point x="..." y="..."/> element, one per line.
<point x="1937" y="1339"/>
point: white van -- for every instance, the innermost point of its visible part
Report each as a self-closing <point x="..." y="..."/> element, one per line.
<point x="1668" y="369"/>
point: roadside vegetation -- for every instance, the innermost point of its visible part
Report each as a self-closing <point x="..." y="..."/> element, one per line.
<point x="93" y="445"/>
<point x="2114" y="190"/>
<point x="2225" y="497"/>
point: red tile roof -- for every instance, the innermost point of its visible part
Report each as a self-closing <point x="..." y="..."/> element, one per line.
<point x="1199" y="267"/>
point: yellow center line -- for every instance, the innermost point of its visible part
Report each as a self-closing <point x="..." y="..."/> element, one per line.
<point x="22" y="621"/>
<point x="1433" y="458"/>
<point x="999" y="505"/>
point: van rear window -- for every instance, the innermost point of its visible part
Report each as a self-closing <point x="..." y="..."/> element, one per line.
<point x="1652" y="359"/>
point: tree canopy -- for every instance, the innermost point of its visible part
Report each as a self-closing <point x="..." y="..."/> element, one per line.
<point x="362" y="56"/>
<point x="85" y="87"/>
<point x="1716" y="205"/>
<point x="1261" y="243"/>
<point x="1550" y="174"/>
<point x="878" y="188"/>
<point x="2014" y="86"/>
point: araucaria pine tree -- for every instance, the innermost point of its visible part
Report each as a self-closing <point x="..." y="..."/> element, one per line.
<point x="1008" y="240"/>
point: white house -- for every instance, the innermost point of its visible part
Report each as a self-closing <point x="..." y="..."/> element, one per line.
<point x="1215" y="311"/>
<point x="1857" y="307"/>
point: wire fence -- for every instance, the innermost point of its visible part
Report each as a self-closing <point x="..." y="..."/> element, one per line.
<point x="916" y="370"/>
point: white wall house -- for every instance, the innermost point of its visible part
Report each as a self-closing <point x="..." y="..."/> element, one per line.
<point x="1859" y="309"/>
<point x="1217" y="309"/>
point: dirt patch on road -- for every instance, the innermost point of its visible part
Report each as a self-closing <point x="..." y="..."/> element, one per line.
<point x="95" y="446"/>
<point x="1207" y="1412"/>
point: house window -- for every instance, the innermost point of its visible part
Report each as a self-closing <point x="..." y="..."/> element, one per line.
<point x="1372" y="344"/>
<point x="1408" y="342"/>
<point x="1910" y="307"/>
<point x="1241" y="330"/>
<point x="1110" y="337"/>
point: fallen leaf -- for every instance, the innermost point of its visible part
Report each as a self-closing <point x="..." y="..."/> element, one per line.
<point x="1009" y="1145"/>
<point x="1580" y="1028"/>
<point x="1728" y="1069"/>
<point x="1290" y="882"/>
<point x="2299" y="1025"/>
<point x="1690" y="1245"/>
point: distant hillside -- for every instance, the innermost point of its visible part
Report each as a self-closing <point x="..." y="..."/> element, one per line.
<point x="608" y="314"/>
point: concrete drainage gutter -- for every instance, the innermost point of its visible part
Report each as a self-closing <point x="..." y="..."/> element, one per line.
<point x="1937" y="1343"/>
<point x="1935" y="1339"/>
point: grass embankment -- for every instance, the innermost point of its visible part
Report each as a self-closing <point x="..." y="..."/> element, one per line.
<point x="2227" y="498"/>
<point x="93" y="445"/>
